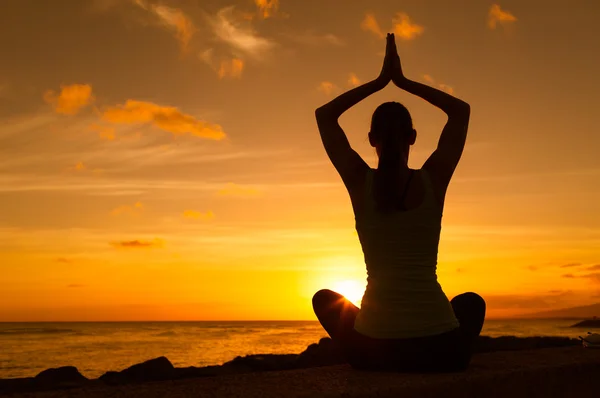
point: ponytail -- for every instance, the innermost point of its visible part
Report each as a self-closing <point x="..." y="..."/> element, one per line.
<point x="387" y="190"/>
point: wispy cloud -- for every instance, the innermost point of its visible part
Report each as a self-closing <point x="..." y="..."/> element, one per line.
<point x="311" y="38"/>
<point x="533" y="301"/>
<point x="370" y="24"/>
<point x="138" y="244"/>
<point x="63" y="260"/>
<point x="70" y="99"/>
<point x="327" y="88"/>
<point x="442" y="86"/>
<point x="196" y="215"/>
<point x="167" y="118"/>
<point x="267" y="8"/>
<point x="239" y="34"/>
<point x="75" y="286"/>
<point x="404" y="28"/>
<point x="569" y="265"/>
<point x="232" y="68"/>
<point x="173" y="19"/>
<point x="232" y="189"/>
<point x="135" y="209"/>
<point x="104" y="132"/>
<point x="353" y="80"/>
<point x="498" y="16"/>
<point x="568" y="276"/>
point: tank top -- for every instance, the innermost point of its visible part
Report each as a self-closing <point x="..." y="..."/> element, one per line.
<point x="403" y="298"/>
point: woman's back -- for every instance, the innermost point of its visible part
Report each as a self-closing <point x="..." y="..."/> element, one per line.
<point x="403" y="298"/>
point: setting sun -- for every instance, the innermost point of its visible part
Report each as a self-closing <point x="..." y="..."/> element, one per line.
<point x="352" y="290"/>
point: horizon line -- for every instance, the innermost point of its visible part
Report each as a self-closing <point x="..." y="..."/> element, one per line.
<point x="276" y="320"/>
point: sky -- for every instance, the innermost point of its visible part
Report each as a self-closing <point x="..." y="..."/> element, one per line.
<point x="159" y="160"/>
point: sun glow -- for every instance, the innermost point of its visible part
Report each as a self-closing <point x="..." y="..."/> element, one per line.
<point x="351" y="289"/>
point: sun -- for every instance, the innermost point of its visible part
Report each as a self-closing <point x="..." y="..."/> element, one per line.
<point x="351" y="289"/>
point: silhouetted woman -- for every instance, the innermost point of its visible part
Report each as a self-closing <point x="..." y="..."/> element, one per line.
<point x="405" y="322"/>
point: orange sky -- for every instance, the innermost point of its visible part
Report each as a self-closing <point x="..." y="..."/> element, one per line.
<point x="160" y="160"/>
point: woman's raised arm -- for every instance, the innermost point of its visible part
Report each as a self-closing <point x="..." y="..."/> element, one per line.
<point x="346" y="161"/>
<point x="443" y="161"/>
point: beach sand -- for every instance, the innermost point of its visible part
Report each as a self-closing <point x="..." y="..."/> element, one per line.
<point x="547" y="373"/>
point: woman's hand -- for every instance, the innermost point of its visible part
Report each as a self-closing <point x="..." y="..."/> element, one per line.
<point x="387" y="70"/>
<point x="397" y="76"/>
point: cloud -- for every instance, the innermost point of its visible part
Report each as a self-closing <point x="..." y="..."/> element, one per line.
<point x="568" y="276"/>
<point x="370" y="24"/>
<point x="63" y="260"/>
<point x="135" y="209"/>
<point x="166" y="118"/>
<point x="532" y="268"/>
<point x="138" y="244"/>
<point x="444" y="87"/>
<point x="232" y="68"/>
<point x="267" y="8"/>
<point x="70" y="99"/>
<point x="171" y="18"/>
<point x="595" y="267"/>
<point x="104" y="132"/>
<point x="75" y="286"/>
<point x="570" y="265"/>
<point x="428" y="79"/>
<point x="497" y="15"/>
<point x="402" y="26"/>
<point x="327" y="88"/>
<point x="594" y="276"/>
<point x="537" y="301"/>
<point x="353" y="80"/>
<point x="239" y="34"/>
<point x="196" y="215"/>
<point x="404" y="29"/>
<point x="312" y="38"/>
<point x="237" y="190"/>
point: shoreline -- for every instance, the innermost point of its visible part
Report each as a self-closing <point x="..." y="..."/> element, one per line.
<point x="323" y="353"/>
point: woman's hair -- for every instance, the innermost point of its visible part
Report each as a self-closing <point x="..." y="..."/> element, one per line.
<point x="390" y="126"/>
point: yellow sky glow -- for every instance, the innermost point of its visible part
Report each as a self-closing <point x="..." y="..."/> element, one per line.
<point x="160" y="160"/>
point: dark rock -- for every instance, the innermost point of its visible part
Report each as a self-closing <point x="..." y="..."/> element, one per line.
<point x="192" y="371"/>
<point x="153" y="370"/>
<point x="65" y="374"/>
<point x="16" y="385"/>
<point x="512" y="343"/>
<point x="57" y="378"/>
<point x="588" y="323"/>
<point x="259" y="363"/>
<point x="325" y="353"/>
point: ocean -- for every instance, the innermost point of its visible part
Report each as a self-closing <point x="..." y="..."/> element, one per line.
<point x="94" y="348"/>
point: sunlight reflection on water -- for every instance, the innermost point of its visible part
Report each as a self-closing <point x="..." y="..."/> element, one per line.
<point x="95" y="348"/>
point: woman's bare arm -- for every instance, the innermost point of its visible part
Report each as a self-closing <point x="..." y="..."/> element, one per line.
<point x="443" y="161"/>
<point x="347" y="162"/>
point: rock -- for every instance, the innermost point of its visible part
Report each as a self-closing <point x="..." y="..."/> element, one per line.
<point x="260" y="363"/>
<point x="512" y="343"/>
<point x="153" y="370"/>
<point x="63" y="377"/>
<point x="588" y="323"/>
<point x="325" y="353"/>
<point x="16" y="385"/>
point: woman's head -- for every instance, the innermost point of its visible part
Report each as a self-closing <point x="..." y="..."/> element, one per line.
<point x="392" y="129"/>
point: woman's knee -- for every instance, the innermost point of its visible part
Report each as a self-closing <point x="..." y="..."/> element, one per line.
<point x="471" y="300"/>
<point x="322" y="298"/>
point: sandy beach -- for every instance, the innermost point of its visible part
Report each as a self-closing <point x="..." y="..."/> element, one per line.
<point x="552" y="372"/>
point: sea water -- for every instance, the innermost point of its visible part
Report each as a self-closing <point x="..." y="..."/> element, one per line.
<point x="94" y="348"/>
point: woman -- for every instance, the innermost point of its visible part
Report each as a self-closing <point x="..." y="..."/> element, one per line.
<point x="405" y="322"/>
